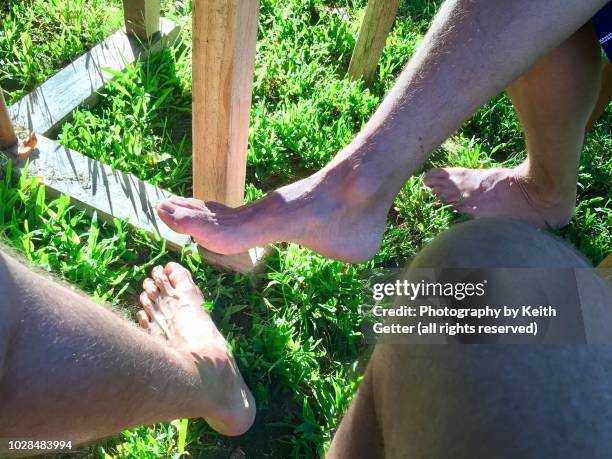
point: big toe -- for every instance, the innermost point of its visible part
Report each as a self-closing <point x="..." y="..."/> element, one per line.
<point x="179" y="218"/>
<point x="435" y="175"/>
<point x="188" y="203"/>
<point x="447" y="193"/>
<point x="161" y="281"/>
<point x="150" y="289"/>
<point x="178" y="275"/>
<point x="443" y="187"/>
<point x="182" y="283"/>
<point x="166" y="210"/>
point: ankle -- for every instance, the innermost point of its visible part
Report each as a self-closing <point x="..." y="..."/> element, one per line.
<point x="227" y="404"/>
<point x="544" y="191"/>
<point x="355" y="185"/>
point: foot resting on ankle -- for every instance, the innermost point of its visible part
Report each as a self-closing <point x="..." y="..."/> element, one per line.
<point x="500" y="192"/>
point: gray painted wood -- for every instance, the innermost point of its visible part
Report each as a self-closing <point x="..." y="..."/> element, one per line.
<point x="142" y="17"/>
<point x="97" y="187"/>
<point x="52" y="103"/>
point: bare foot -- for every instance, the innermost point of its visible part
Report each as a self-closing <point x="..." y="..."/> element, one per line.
<point x="500" y="192"/>
<point x="173" y="312"/>
<point x="334" y="214"/>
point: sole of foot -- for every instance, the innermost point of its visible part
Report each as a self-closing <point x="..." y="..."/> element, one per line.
<point x="498" y="192"/>
<point x="332" y="217"/>
<point x="172" y="312"/>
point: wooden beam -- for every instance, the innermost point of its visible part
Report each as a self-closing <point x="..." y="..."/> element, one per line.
<point x="110" y="193"/>
<point x="142" y="17"/>
<point x="7" y="133"/>
<point x="224" y="39"/>
<point x="52" y="103"/>
<point x="377" y="23"/>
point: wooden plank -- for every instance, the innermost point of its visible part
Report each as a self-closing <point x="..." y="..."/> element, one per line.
<point x="142" y="17"/>
<point x="7" y="133"/>
<point x="224" y="39"/>
<point x="52" y="103"/>
<point x="113" y="194"/>
<point x="377" y="23"/>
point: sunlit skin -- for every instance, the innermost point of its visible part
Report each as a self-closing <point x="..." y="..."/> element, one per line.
<point x="172" y="312"/>
<point x="60" y="352"/>
<point x="472" y="51"/>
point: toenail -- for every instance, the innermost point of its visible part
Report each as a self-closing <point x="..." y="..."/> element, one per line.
<point x="166" y="207"/>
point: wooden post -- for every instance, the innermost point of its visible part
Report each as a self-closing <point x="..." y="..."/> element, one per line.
<point x="224" y="39"/>
<point x="7" y="133"/>
<point x="377" y="24"/>
<point x="142" y="17"/>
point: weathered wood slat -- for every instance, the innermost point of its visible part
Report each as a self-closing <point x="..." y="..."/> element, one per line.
<point x="113" y="194"/>
<point x="52" y="103"/>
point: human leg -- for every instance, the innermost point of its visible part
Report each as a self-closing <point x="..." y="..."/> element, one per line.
<point x="75" y="370"/>
<point x="472" y="51"/>
<point x="359" y="435"/>
<point x="553" y="101"/>
<point x="493" y="400"/>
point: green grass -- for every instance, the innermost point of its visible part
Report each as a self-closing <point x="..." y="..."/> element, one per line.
<point x="296" y="330"/>
<point x="39" y="37"/>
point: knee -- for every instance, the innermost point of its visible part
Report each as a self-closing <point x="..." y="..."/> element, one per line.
<point x="495" y="401"/>
<point x="498" y="243"/>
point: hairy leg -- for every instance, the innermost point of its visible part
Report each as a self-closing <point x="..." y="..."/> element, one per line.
<point x="473" y="50"/>
<point x="75" y="370"/>
<point x="553" y="101"/>
<point x="490" y="400"/>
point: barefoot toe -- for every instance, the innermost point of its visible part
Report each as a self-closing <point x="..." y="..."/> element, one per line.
<point x="148" y="305"/>
<point x="179" y="276"/>
<point x="435" y="174"/>
<point x="447" y="193"/>
<point x="162" y="282"/>
<point x="150" y="289"/>
<point x="188" y="203"/>
<point x="143" y="319"/>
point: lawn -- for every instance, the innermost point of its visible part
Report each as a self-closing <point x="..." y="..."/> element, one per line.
<point x="296" y="328"/>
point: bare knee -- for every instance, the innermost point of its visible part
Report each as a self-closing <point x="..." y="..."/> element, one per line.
<point x="498" y="243"/>
<point x="494" y="401"/>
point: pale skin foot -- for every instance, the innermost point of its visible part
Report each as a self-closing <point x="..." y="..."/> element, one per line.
<point x="501" y="192"/>
<point x="341" y="211"/>
<point x="337" y="215"/>
<point x="173" y="313"/>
